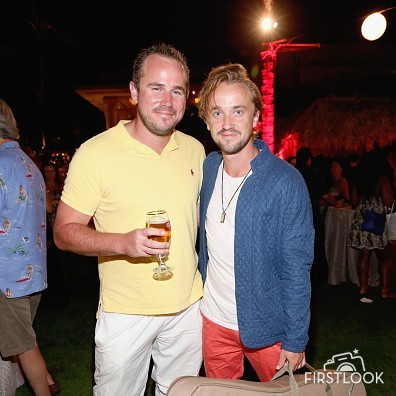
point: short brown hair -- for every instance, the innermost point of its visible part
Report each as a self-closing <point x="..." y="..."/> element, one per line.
<point x="162" y="49"/>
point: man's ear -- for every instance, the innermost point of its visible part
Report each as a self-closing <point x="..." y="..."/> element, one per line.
<point x="256" y="118"/>
<point x="134" y="91"/>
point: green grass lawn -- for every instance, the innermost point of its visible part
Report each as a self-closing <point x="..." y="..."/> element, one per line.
<point x="340" y="324"/>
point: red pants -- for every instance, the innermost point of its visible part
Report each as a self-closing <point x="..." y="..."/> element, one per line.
<point x="223" y="354"/>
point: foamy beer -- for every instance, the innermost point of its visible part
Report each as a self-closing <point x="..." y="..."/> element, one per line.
<point x="160" y="223"/>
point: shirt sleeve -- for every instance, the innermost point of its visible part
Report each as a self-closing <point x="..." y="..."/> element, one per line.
<point x="82" y="190"/>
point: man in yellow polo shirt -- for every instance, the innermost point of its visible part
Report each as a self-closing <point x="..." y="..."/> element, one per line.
<point x="117" y="177"/>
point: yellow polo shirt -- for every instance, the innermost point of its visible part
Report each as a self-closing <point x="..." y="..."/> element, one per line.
<point x="117" y="180"/>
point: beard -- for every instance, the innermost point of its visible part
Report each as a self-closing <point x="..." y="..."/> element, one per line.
<point x="157" y="127"/>
<point x="232" y="148"/>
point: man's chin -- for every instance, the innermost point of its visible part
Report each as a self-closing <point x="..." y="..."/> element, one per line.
<point x="163" y="132"/>
<point x="230" y="150"/>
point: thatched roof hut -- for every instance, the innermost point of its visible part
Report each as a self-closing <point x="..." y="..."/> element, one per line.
<point x="339" y="126"/>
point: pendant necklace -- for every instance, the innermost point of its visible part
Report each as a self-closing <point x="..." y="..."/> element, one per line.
<point x="224" y="209"/>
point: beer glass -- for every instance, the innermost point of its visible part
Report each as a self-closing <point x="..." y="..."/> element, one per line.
<point x="159" y="219"/>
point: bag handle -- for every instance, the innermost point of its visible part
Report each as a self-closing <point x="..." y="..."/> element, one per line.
<point x="293" y="382"/>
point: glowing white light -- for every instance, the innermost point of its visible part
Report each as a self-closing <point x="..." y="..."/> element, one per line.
<point x="374" y="26"/>
<point x="268" y="23"/>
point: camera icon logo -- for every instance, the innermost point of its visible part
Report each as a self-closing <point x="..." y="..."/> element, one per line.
<point x="345" y="362"/>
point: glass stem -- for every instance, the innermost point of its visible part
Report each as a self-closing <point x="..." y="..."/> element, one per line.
<point x="161" y="262"/>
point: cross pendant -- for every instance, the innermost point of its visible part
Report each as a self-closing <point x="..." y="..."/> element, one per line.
<point x="222" y="218"/>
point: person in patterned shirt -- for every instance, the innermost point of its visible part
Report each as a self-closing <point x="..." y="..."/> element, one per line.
<point x="23" y="250"/>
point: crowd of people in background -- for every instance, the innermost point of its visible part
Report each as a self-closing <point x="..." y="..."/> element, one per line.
<point x="364" y="182"/>
<point x="56" y="295"/>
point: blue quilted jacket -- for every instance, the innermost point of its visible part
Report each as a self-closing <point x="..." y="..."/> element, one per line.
<point x="274" y="239"/>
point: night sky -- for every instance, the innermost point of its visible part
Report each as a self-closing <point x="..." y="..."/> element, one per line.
<point x="49" y="48"/>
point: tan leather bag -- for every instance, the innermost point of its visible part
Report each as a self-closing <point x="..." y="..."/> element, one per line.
<point x="313" y="383"/>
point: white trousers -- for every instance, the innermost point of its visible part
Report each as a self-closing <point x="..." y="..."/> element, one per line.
<point x="124" y="345"/>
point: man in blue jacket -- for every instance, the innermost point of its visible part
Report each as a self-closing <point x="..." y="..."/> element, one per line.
<point x="256" y="239"/>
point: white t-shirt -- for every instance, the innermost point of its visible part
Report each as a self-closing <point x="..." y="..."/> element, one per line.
<point x="218" y="303"/>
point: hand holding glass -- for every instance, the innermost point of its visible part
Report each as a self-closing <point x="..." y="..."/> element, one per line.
<point x="159" y="219"/>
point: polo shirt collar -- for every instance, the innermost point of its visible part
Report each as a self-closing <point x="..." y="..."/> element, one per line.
<point x="127" y="142"/>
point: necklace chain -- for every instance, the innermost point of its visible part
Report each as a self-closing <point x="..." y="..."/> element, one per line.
<point x="224" y="209"/>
